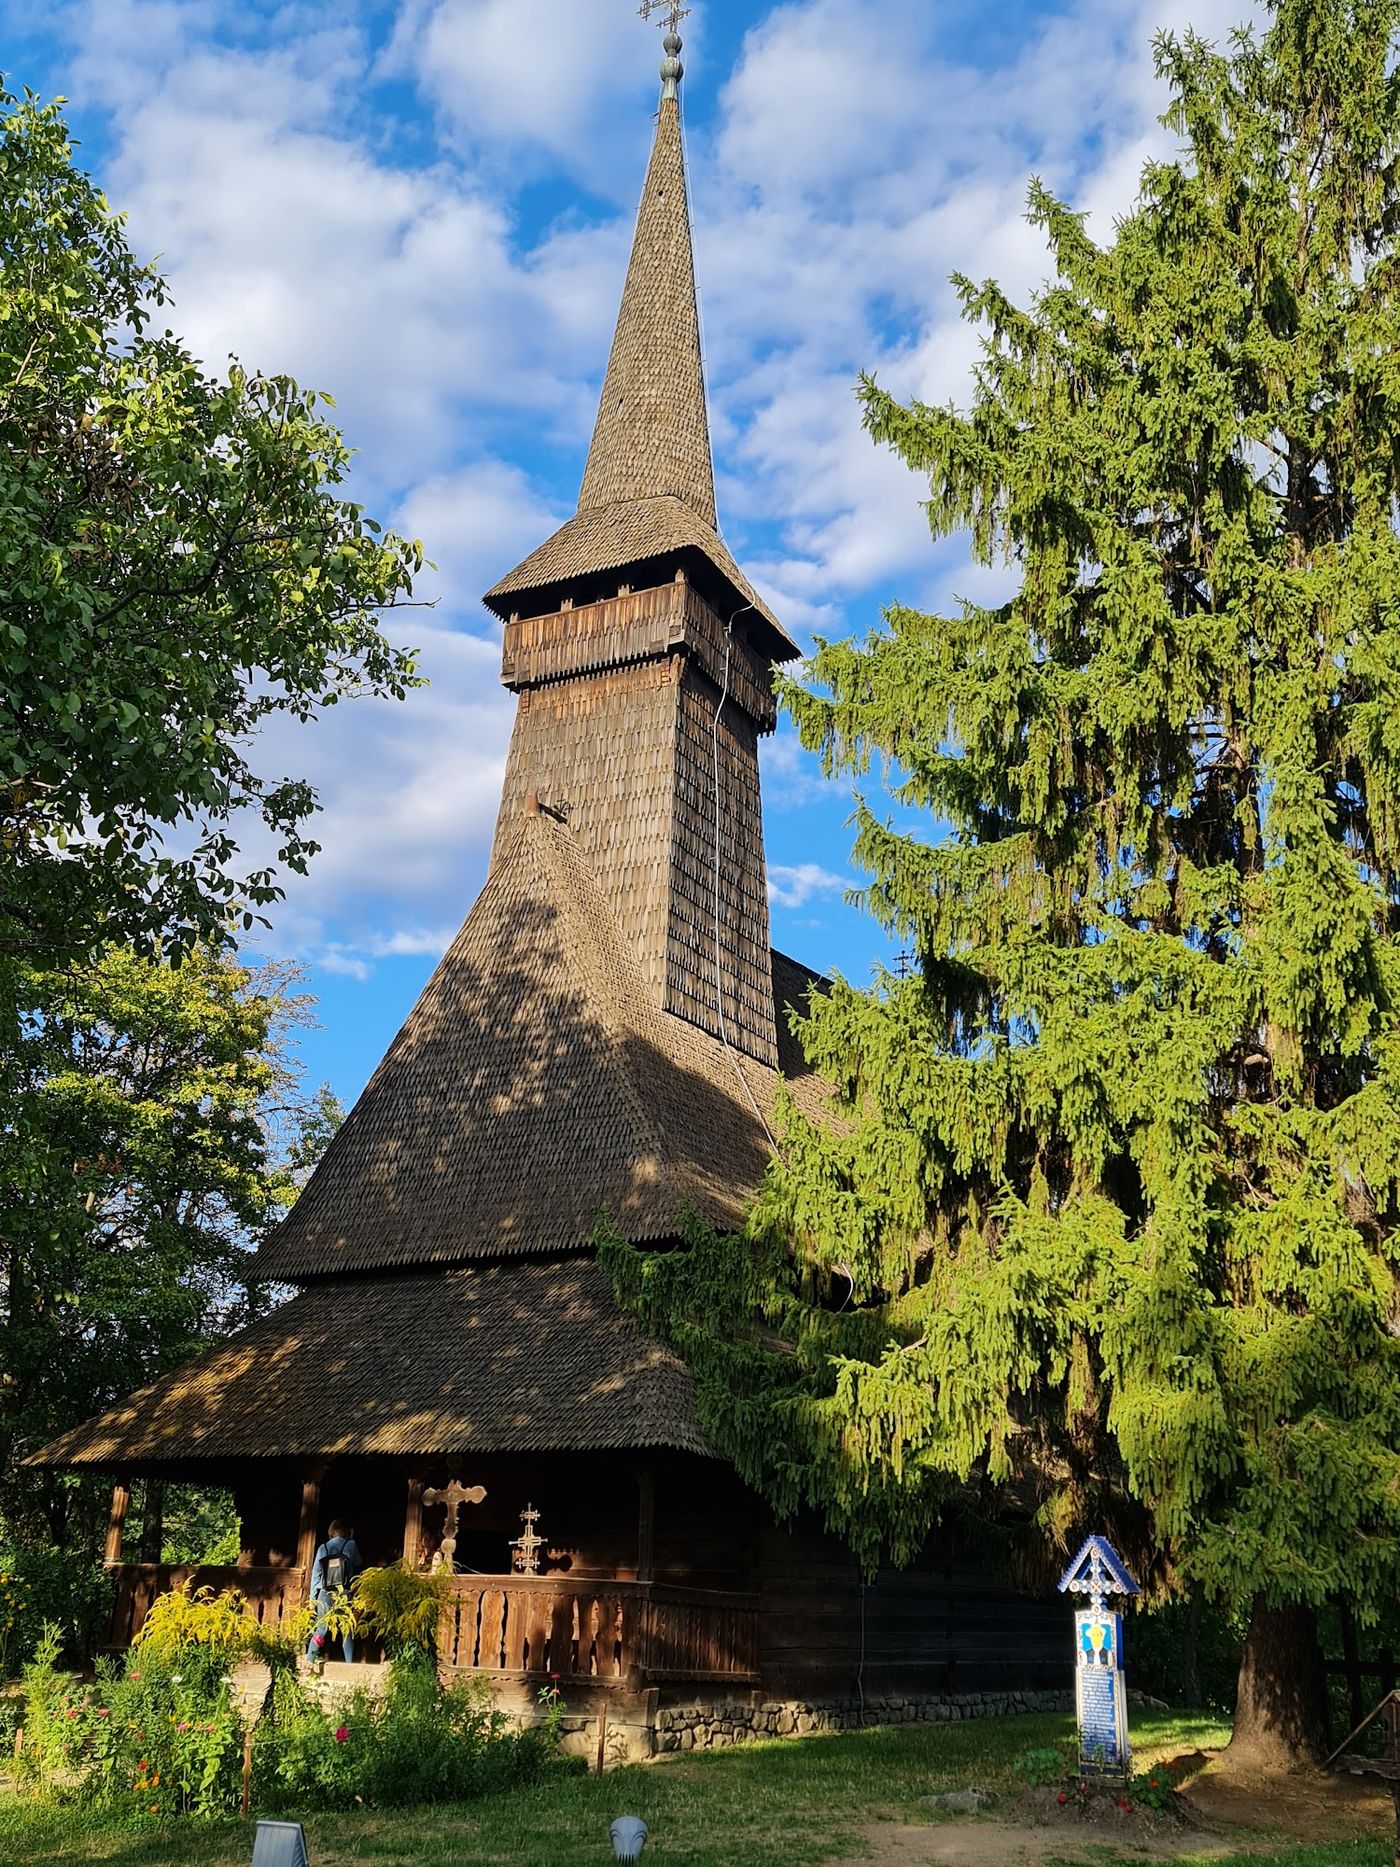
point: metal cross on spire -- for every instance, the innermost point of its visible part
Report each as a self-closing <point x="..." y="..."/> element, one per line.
<point x="675" y="12"/>
<point x="672" y="70"/>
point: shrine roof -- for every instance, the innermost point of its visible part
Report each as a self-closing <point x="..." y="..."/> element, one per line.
<point x="525" y="1358"/>
<point x="534" y="1086"/>
<point x="1076" y="1577"/>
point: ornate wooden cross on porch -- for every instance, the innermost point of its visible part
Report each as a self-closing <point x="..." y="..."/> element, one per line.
<point x="454" y="1496"/>
<point x="528" y="1545"/>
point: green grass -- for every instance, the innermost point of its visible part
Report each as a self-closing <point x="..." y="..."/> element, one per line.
<point x="760" y="1805"/>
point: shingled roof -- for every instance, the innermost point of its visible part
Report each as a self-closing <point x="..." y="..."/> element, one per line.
<point x="652" y="434"/>
<point x="649" y="485"/>
<point x="535" y="1083"/>
<point x="526" y="1358"/>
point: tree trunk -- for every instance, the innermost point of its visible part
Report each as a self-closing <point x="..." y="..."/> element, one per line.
<point x="1191" y="1651"/>
<point x="1356" y="1696"/>
<point x="1281" y="1713"/>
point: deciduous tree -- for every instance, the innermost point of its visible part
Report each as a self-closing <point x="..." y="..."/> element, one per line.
<point x="177" y="565"/>
<point x="158" y="1132"/>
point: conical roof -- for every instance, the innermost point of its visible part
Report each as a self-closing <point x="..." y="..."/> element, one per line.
<point x="648" y="487"/>
<point x="652" y="435"/>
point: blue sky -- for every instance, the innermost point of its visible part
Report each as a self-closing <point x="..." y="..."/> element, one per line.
<point x="424" y="208"/>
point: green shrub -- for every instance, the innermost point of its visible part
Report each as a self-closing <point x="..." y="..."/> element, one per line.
<point x="1153" y="1788"/>
<point x="1039" y="1769"/>
<point x="420" y="1742"/>
<point x="156" y="1732"/>
<point x="40" y="1587"/>
<point x="402" y="1606"/>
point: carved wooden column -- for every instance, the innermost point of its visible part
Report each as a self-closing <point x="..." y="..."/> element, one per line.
<point x="310" y="1517"/>
<point x="413" y="1523"/>
<point x="116" y="1522"/>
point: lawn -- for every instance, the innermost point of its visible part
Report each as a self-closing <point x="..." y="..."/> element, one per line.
<point x="793" y="1804"/>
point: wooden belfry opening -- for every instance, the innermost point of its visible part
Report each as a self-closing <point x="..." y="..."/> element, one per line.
<point x="608" y="1032"/>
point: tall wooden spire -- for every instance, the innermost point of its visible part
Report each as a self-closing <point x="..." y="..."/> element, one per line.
<point x="643" y="658"/>
<point x="652" y="435"/>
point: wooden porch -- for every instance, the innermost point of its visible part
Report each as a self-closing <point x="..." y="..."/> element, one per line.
<point x="638" y="1634"/>
<point x="534" y="1628"/>
<point x="273" y="1595"/>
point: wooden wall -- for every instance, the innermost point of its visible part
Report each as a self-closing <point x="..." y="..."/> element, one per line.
<point x="944" y="1626"/>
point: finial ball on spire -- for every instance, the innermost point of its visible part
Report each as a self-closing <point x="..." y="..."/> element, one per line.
<point x="672" y="70"/>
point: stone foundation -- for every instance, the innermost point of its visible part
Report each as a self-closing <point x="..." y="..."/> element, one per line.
<point x="711" y="1727"/>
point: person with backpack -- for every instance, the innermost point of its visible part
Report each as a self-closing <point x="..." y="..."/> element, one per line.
<point x="338" y="1562"/>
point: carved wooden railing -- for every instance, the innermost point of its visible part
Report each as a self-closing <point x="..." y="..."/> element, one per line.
<point x="635" y="1633"/>
<point x="579" y="1629"/>
<point x="273" y="1595"/>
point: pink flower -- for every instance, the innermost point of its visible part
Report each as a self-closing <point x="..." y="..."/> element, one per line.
<point x="102" y="1711"/>
<point x="342" y="1734"/>
<point x="72" y="1711"/>
<point x="182" y="1727"/>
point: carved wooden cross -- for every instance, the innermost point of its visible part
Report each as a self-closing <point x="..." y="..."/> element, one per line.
<point x="454" y="1496"/>
<point x="528" y="1545"/>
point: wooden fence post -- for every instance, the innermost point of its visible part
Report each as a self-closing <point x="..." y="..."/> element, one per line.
<point x="116" y="1523"/>
<point x="413" y="1523"/>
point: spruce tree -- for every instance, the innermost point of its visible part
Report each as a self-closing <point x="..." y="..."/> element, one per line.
<point x="1106" y="1210"/>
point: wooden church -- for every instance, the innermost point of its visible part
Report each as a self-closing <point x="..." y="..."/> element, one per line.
<point x="606" y="1033"/>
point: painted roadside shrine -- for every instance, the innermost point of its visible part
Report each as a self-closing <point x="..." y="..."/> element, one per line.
<point x="1100" y="1691"/>
<point x="607" y="1032"/>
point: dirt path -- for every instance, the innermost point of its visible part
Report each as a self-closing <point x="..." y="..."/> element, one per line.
<point x="989" y="1843"/>
<point x="1230" y="1815"/>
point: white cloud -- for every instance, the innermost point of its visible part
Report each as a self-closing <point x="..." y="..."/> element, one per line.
<point x="355" y="959"/>
<point x="429" y="942"/>
<point x="477" y="521"/>
<point x="793" y="886"/>
<point x="852" y="164"/>
<point x="343" y="960"/>
<point x="504" y="74"/>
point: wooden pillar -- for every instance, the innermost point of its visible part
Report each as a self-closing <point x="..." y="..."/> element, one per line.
<point x="116" y="1522"/>
<point x="413" y="1523"/>
<point x="646" y="1524"/>
<point x="310" y="1518"/>
<point x="152" y="1520"/>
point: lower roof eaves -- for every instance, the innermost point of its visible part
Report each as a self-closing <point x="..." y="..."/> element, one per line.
<point x="501" y="1357"/>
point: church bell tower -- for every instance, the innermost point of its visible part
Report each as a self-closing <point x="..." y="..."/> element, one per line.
<point x="642" y="658"/>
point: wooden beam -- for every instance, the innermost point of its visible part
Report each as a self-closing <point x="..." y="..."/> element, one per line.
<point x="116" y="1522"/>
<point x="646" y="1523"/>
<point x="413" y="1523"/>
<point x="310" y="1517"/>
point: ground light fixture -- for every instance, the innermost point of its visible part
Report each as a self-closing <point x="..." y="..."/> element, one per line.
<point x="279" y="1844"/>
<point x="629" y="1837"/>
